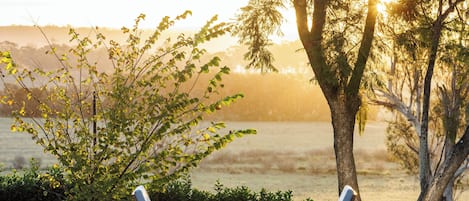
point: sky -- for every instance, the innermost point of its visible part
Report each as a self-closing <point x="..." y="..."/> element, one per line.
<point x="118" y="13"/>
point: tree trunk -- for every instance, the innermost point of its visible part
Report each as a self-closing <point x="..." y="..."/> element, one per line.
<point x="447" y="170"/>
<point x="448" y="194"/>
<point x="451" y="102"/>
<point x="343" y="122"/>
<point x="425" y="174"/>
<point x="424" y="158"/>
<point x="449" y="147"/>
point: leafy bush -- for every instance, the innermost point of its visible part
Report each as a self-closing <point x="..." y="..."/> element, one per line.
<point x="50" y="186"/>
<point x="138" y="122"/>
<point x="181" y="190"/>
<point x="31" y="185"/>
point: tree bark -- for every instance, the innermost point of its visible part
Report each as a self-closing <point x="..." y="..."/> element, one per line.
<point x="446" y="172"/>
<point x="343" y="112"/>
<point x="424" y="156"/>
<point x="451" y="102"/>
<point x="448" y="193"/>
<point x="425" y="174"/>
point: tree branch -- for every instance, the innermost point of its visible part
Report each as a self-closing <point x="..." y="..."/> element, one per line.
<point x="364" y="51"/>
<point x="302" y="20"/>
<point x="312" y="40"/>
<point x="446" y="172"/>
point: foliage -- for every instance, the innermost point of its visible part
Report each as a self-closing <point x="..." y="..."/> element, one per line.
<point x="182" y="190"/>
<point x="257" y="21"/>
<point x="32" y="185"/>
<point x="409" y="38"/>
<point x="262" y="18"/>
<point x="139" y="122"/>
<point x="427" y="43"/>
<point x="401" y="142"/>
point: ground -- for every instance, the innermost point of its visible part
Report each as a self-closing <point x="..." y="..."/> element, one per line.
<point x="295" y="156"/>
<point x="298" y="156"/>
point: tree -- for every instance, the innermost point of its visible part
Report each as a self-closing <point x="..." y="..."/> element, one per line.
<point x="432" y="188"/>
<point x="424" y="42"/>
<point x="445" y="122"/>
<point x="456" y="151"/>
<point x="337" y="37"/>
<point x="140" y="122"/>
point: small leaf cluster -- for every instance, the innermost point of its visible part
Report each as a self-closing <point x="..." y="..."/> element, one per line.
<point x="254" y="27"/>
<point x="137" y="123"/>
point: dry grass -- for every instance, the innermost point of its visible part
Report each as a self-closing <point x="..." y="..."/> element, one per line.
<point x="320" y="187"/>
<point x="295" y="156"/>
<point x="311" y="161"/>
<point x="300" y="157"/>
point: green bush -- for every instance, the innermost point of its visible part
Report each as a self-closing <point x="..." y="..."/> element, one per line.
<point x="181" y="190"/>
<point x="32" y="185"/>
<point x="137" y="120"/>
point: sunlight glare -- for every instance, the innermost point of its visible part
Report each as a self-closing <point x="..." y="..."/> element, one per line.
<point x="382" y="7"/>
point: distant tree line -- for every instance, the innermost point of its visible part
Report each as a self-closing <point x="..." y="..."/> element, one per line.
<point x="267" y="97"/>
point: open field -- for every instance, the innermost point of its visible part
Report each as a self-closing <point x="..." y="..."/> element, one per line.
<point x="298" y="156"/>
<point x="320" y="187"/>
<point x="18" y="145"/>
<point x="295" y="156"/>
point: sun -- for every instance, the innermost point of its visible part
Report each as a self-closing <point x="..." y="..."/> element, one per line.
<point x="382" y="7"/>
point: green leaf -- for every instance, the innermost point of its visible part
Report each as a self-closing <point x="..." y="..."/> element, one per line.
<point x="218" y="77"/>
<point x="204" y="69"/>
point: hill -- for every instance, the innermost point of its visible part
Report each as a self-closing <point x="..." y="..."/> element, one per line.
<point x="286" y="96"/>
<point x="31" y="36"/>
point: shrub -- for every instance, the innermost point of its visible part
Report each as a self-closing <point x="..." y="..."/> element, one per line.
<point x="31" y="185"/>
<point x="135" y="122"/>
<point x="181" y="190"/>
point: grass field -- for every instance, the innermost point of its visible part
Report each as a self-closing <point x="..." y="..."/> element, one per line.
<point x="295" y="156"/>
<point x="14" y="145"/>
<point x="298" y="156"/>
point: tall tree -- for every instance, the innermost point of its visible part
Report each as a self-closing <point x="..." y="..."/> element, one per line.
<point x="433" y="188"/>
<point x="337" y="37"/>
<point x="429" y="21"/>
<point x="438" y="183"/>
